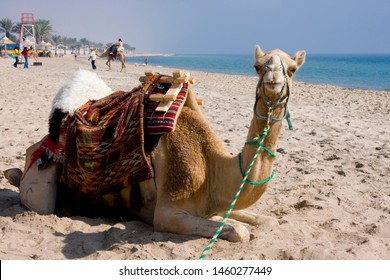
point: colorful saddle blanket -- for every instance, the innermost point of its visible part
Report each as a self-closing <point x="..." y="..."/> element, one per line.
<point x="106" y="145"/>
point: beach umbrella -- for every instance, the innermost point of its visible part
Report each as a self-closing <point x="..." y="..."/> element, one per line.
<point x="6" y="41"/>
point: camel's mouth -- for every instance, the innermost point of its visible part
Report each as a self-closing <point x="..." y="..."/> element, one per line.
<point x="274" y="78"/>
<point x="273" y="86"/>
<point x="273" y="72"/>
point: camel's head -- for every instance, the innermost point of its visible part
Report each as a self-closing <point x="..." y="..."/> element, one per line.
<point x="275" y="70"/>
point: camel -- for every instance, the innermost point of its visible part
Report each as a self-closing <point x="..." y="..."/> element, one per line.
<point x="196" y="178"/>
<point x="119" y="55"/>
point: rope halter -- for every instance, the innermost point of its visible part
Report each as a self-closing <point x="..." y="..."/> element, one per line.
<point x="260" y="92"/>
<point x="258" y="142"/>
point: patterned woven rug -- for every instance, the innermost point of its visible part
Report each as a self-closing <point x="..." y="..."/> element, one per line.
<point x="105" y="143"/>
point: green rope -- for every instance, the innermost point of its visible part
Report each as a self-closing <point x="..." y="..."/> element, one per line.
<point x="290" y="127"/>
<point x="258" y="141"/>
<point x="257" y="182"/>
<point x="244" y="180"/>
<point x="255" y="142"/>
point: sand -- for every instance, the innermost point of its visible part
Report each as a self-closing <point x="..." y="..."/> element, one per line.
<point x="330" y="193"/>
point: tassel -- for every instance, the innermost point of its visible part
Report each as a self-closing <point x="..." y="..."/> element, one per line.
<point x="290" y="127"/>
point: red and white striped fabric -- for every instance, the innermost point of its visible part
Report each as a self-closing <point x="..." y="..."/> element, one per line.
<point x="164" y="122"/>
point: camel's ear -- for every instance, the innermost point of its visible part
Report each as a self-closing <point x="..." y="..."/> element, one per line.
<point x="299" y="57"/>
<point x="258" y="52"/>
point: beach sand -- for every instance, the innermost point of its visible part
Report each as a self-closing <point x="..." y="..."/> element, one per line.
<point x="330" y="193"/>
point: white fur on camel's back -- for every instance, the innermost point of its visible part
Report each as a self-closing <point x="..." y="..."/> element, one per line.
<point x="38" y="189"/>
<point x="79" y="89"/>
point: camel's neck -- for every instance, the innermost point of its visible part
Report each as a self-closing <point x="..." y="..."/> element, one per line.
<point x="263" y="165"/>
<point x="105" y="54"/>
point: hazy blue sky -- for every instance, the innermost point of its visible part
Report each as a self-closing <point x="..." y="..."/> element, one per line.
<point x="219" y="27"/>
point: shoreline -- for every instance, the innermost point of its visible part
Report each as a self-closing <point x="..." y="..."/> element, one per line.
<point x="149" y="54"/>
<point x="330" y="192"/>
<point x="320" y="67"/>
<point x="149" y="65"/>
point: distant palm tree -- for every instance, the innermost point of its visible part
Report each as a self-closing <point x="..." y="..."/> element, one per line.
<point x="84" y="41"/>
<point x="85" y="44"/>
<point x="56" y="39"/>
<point x="69" y="41"/>
<point x="43" y="30"/>
<point x="128" y="48"/>
<point x="7" y="26"/>
<point x="16" y="30"/>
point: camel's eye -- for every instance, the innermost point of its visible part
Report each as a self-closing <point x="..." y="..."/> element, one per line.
<point x="257" y="67"/>
<point x="291" y="71"/>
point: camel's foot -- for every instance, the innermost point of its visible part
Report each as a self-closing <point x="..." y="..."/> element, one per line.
<point x="233" y="231"/>
<point x="13" y="176"/>
<point x="185" y="223"/>
<point x="266" y="221"/>
<point x="254" y="219"/>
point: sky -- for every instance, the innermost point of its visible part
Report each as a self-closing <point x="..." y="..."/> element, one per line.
<point x="219" y="27"/>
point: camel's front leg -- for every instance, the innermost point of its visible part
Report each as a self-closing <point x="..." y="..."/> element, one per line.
<point x="174" y="220"/>
<point x="253" y="219"/>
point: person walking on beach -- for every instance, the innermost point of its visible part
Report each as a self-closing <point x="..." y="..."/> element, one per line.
<point x="25" y="55"/>
<point x="92" y="58"/>
<point x="15" y="53"/>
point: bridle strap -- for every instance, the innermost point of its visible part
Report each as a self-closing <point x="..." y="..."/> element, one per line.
<point x="273" y="104"/>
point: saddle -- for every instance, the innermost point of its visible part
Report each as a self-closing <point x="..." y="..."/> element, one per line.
<point x="115" y="52"/>
<point x="108" y="142"/>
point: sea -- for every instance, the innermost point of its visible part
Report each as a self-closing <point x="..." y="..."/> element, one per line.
<point x="350" y="71"/>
